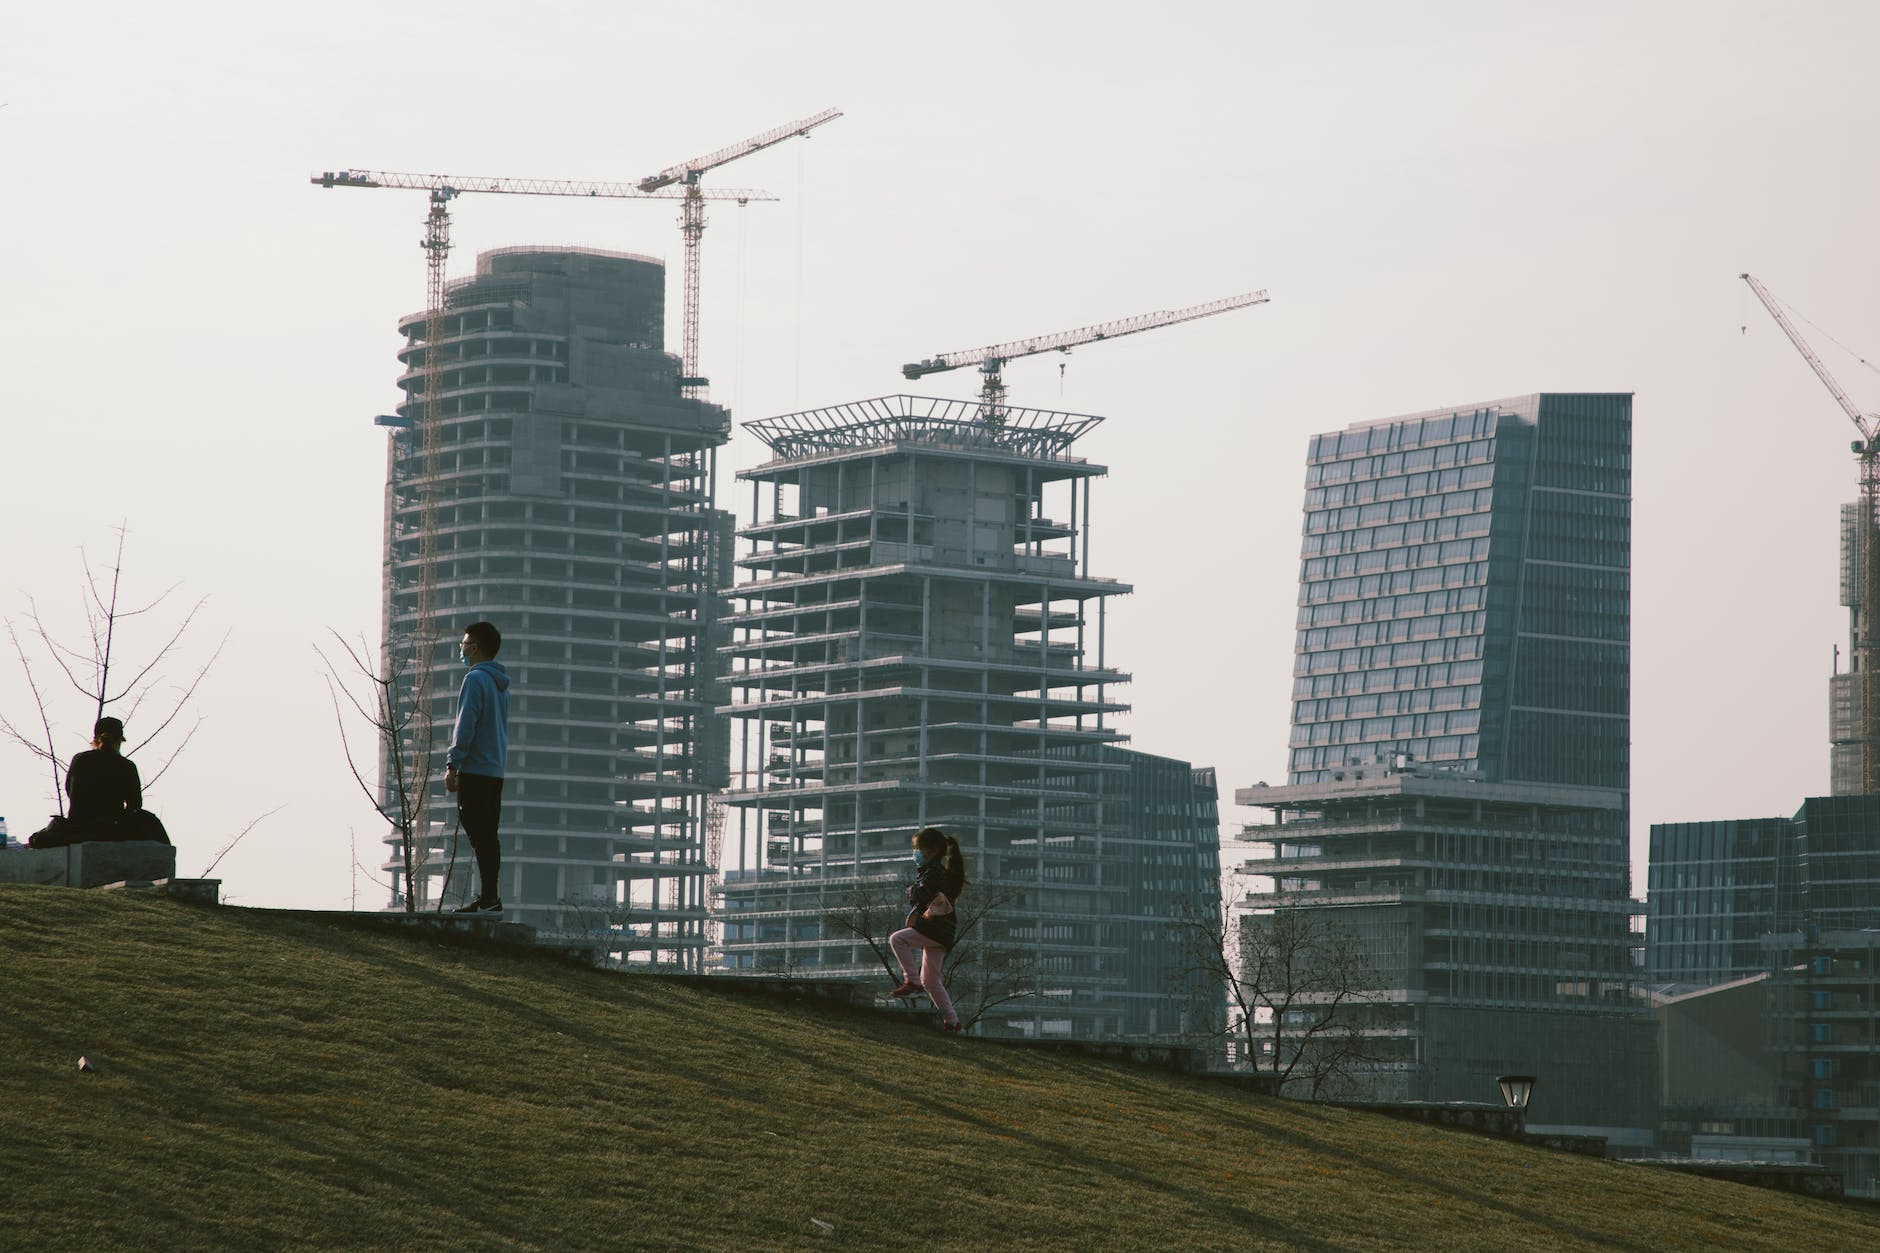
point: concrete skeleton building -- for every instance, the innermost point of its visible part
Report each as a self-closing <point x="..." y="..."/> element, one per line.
<point x="1845" y="732"/>
<point x="1458" y="790"/>
<point x="575" y="511"/>
<point x="921" y="641"/>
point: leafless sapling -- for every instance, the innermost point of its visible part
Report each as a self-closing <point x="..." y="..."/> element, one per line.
<point x="134" y="690"/>
<point x="870" y="910"/>
<point x="378" y="690"/>
<point x="981" y="973"/>
<point x="1296" y="980"/>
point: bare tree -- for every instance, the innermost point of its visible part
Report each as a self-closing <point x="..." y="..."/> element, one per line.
<point x="377" y="689"/>
<point x="1297" y="981"/>
<point x="871" y="911"/>
<point x="96" y="670"/>
<point x="981" y="974"/>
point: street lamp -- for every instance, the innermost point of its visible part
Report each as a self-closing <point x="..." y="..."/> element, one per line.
<point x="1516" y="1090"/>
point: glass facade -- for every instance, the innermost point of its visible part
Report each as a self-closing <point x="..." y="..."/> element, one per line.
<point x="1840" y="854"/>
<point x="1715" y="889"/>
<point x="1465" y="594"/>
<point x="1719" y="889"/>
<point x="1458" y="768"/>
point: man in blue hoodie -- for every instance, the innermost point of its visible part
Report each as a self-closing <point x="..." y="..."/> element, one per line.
<point x="474" y="767"/>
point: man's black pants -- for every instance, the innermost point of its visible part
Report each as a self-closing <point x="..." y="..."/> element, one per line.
<point x="479" y="808"/>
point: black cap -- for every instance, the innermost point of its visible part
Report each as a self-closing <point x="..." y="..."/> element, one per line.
<point x="107" y="729"/>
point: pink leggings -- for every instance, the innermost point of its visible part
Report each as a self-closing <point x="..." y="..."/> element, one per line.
<point x="933" y="960"/>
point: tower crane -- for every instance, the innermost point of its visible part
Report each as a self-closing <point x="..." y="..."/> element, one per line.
<point x="444" y="188"/>
<point x="692" y="224"/>
<point x="991" y="360"/>
<point x="1866" y="639"/>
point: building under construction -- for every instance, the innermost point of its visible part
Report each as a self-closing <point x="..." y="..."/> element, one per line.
<point x="1854" y="696"/>
<point x="921" y="642"/>
<point x="572" y="489"/>
<point x="1847" y="733"/>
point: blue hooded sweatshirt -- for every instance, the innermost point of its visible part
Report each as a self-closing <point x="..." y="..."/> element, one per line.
<point x="481" y="741"/>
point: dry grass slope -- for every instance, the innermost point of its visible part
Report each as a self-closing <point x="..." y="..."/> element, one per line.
<point x="266" y="1082"/>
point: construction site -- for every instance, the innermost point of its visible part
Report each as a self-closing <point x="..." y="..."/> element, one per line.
<point x="919" y="641"/>
<point x="553" y="468"/>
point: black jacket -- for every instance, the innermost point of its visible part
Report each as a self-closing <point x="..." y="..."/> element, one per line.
<point x="104" y="788"/>
<point x="930" y="881"/>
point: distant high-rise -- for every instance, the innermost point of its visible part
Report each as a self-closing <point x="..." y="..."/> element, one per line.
<point x="575" y="510"/>
<point x="1465" y="593"/>
<point x="922" y="642"/>
<point x="1846" y="735"/>
<point x="1796" y="900"/>
<point x="1715" y="890"/>
<point x="1459" y="754"/>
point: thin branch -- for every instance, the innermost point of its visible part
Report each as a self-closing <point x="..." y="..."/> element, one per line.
<point x="385" y="717"/>
<point x="188" y="691"/>
<point x="58" y="651"/>
<point x="339" y="719"/>
<point x="210" y="868"/>
<point x="164" y="767"/>
<point x="104" y="697"/>
<point x="50" y="752"/>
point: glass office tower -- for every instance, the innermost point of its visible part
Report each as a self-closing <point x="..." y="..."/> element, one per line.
<point x="1465" y="593"/>
<point x="1458" y="761"/>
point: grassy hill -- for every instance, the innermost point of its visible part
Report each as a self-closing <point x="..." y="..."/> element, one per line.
<point x="264" y="1081"/>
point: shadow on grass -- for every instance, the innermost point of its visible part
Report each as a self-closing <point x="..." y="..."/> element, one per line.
<point x="1196" y="1101"/>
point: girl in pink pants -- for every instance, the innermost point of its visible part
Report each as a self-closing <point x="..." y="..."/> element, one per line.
<point x="939" y="878"/>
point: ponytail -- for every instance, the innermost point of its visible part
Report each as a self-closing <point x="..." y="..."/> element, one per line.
<point x="956" y="860"/>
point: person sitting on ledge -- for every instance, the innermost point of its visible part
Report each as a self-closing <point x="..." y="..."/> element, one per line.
<point x="107" y="796"/>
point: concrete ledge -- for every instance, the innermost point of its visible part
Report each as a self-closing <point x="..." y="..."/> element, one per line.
<point x="1145" y="1055"/>
<point x="1802" y="1177"/>
<point x="195" y="891"/>
<point x="446" y="927"/>
<point x="852" y="994"/>
<point x="1482" y="1118"/>
<point x="93" y="864"/>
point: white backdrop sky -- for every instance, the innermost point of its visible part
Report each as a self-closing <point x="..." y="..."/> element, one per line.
<point x="1449" y="202"/>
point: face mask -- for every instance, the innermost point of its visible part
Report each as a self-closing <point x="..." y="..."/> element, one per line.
<point x="920" y="858"/>
<point x="463" y="658"/>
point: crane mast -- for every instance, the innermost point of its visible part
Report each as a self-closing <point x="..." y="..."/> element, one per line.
<point x="1866" y="641"/>
<point x="991" y="360"/>
<point x="431" y="443"/>
<point x="692" y="226"/>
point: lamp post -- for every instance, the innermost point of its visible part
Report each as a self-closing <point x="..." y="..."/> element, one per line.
<point x="1517" y="1091"/>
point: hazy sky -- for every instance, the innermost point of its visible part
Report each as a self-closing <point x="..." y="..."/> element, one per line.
<point x="1449" y="203"/>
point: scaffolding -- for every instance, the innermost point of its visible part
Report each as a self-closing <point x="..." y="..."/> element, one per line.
<point x="920" y="641"/>
<point x="569" y="499"/>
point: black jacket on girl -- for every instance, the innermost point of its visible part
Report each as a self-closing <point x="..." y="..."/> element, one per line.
<point x="931" y="880"/>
